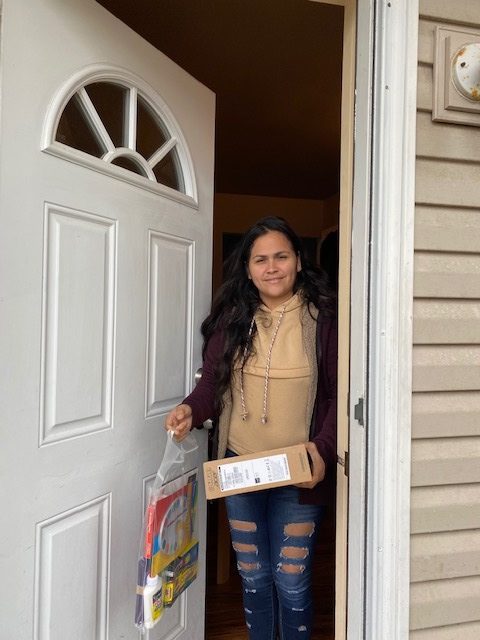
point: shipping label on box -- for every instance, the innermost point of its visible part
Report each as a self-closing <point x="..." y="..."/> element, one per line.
<point x="253" y="472"/>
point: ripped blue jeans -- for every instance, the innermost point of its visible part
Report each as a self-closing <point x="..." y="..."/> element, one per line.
<point x="273" y="537"/>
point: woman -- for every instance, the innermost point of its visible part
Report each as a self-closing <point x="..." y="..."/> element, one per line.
<point x="269" y="375"/>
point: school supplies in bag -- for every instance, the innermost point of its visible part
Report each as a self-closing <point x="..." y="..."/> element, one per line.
<point x="168" y="559"/>
<point x="180" y="573"/>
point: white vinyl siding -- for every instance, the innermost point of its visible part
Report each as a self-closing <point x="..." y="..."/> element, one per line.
<point x="445" y="501"/>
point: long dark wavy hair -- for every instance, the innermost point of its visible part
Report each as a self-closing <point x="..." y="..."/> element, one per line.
<point x="237" y="299"/>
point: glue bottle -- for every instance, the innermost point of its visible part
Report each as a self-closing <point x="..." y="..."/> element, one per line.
<point x="152" y="601"/>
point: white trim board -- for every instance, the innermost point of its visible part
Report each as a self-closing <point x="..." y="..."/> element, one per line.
<point x="359" y="300"/>
<point x="381" y="319"/>
<point x="390" y="326"/>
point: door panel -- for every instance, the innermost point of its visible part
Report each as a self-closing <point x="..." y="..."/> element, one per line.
<point x="170" y="263"/>
<point x="104" y="283"/>
<point x="76" y="388"/>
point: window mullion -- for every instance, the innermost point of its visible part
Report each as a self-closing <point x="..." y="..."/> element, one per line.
<point x="131" y="117"/>
<point x="162" y="152"/>
<point x="95" y="120"/>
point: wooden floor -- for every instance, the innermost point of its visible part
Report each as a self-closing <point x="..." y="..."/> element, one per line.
<point x="224" y="610"/>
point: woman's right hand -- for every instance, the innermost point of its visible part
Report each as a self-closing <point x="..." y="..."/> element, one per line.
<point x="179" y="421"/>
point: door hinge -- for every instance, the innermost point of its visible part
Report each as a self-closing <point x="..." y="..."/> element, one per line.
<point x="344" y="462"/>
<point x="358" y="412"/>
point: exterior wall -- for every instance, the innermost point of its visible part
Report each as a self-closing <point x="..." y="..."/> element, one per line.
<point x="445" y="500"/>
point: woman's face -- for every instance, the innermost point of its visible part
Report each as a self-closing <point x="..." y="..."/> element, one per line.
<point x="273" y="267"/>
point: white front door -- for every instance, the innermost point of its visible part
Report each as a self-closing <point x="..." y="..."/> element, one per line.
<point x="106" y="180"/>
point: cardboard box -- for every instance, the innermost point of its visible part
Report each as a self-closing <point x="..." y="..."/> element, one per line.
<point x="256" y="471"/>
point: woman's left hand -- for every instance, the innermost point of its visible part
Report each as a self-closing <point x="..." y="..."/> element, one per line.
<point x="318" y="467"/>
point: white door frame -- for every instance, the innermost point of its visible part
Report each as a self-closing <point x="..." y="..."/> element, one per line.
<point x="387" y="54"/>
<point x="359" y="298"/>
<point x="381" y="308"/>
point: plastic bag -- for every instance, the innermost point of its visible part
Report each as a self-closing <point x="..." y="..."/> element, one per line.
<point x="168" y="557"/>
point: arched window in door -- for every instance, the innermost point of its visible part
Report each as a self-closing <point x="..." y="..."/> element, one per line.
<point x="116" y="124"/>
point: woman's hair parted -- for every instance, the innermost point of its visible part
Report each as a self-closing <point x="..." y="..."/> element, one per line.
<point x="237" y="299"/>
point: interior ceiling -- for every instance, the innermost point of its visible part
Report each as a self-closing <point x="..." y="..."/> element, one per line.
<point x="275" y="66"/>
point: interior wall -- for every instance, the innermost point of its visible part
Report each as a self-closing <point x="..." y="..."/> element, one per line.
<point x="234" y="213"/>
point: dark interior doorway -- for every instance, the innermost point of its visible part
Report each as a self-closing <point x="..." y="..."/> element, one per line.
<point x="275" y="67"/>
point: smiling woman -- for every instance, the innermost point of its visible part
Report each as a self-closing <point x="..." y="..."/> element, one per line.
<point x="273" y="268"/>
<point x="269" y="376"/>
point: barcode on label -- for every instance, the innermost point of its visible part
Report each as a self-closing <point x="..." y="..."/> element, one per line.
<point x="248" y="473"/>
<point x="231" y="477"/>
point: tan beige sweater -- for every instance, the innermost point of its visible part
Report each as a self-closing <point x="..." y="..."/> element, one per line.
<point x="288" y="387"/>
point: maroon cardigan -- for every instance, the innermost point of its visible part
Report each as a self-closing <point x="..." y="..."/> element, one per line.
<point x="323" y="428"/>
